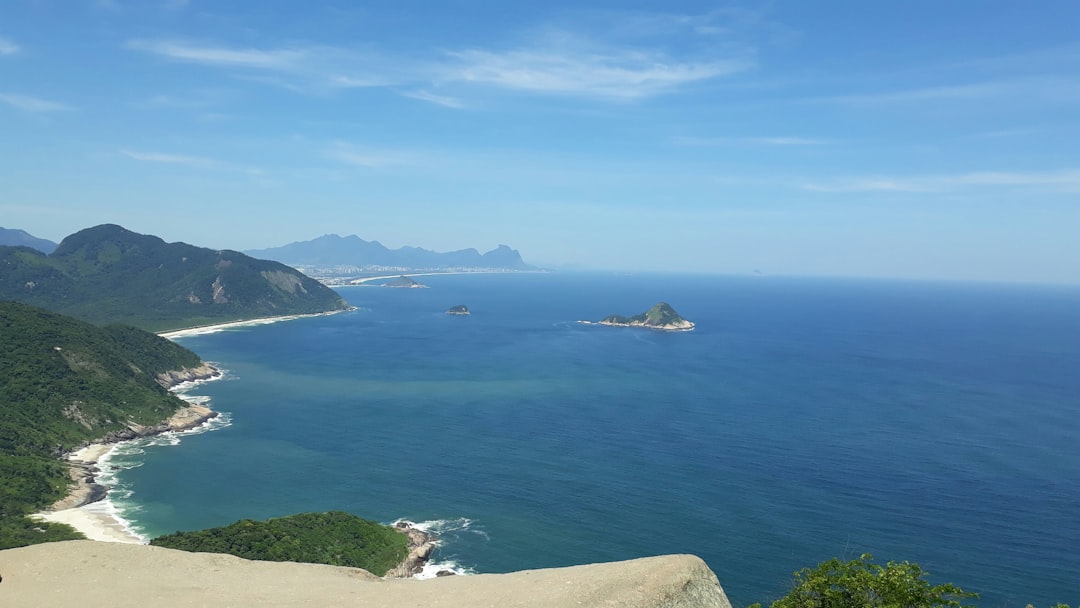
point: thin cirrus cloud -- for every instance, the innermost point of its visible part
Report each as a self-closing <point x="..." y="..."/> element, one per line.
<point x="1064" y="180"/>
<point x="36" y="105"/>
<point x="441" y="100"/>
<point x="7" y="47"/>
<point x="595" y="71"/>
<point x="224" y="57"/>
<point x="610" y="73"/>
<point x="190" y="161"/>
<point x="681" y="140"/>
<point x="364" y="157"/>
<point x="172" y="159"/>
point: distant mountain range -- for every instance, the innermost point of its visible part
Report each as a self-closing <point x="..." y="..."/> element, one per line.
<point x="108" y="274"/>
<point x="21" y="238"/>
<point x="332" y="250"/>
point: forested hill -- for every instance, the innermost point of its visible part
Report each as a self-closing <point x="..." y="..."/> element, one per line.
<point x="64" y="383"/>
<point x="108" y="274"/>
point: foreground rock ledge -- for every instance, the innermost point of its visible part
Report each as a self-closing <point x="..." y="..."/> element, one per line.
<point x="91" y="574"/>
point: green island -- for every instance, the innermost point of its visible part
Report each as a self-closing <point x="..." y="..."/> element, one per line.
<point x="107" y="274"/>
<point x="67" y="383"/>
<point x="334" y="538"/>
<point x="404" y="282"/>
<point x="660" y="316"/>
<point x="460" y="310"/>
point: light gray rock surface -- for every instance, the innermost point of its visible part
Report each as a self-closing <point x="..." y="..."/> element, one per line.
<point x="92" y="574"/>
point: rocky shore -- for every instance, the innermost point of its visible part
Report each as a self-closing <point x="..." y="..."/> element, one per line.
<point x="83" y="461"/>
<point x="188" y="374"/>
<point x="421" y="546"/>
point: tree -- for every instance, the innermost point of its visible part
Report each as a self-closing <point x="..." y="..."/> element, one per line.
<point x="860" y="583"/>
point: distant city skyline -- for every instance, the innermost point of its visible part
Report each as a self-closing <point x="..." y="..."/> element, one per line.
<point x="910" y="140"/>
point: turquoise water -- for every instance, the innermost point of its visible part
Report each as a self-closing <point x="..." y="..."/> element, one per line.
<point x="802" y="419"/>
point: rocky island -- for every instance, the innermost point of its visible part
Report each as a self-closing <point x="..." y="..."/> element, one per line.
<point x="661" y="316"/>
<point x="460" y="309"/>
<point x="404" y="282"/>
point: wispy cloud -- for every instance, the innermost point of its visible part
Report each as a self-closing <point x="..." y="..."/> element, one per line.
<point x="172" y="159"/>
<point x="190" y="161"/>
<point x="556" y="63"/>
<point x="1063" y="180"/>
<point x="366" y="158"/>
<point x="7" y="47"/>
<point x="613" y="73"/>
<point x="968" y="91"/>
<point x="442" y="100"/>
<point x="279" y="59"/>
<point x="680" y="140"/>
<point x="1053" y="89"/>
<point x="33" y="104"/>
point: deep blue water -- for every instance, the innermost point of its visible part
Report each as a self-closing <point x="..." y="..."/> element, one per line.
<point x="802" y="419"/>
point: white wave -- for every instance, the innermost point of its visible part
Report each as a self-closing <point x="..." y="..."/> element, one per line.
<point x="432" y="569"/>
<point x="441" y="528"/>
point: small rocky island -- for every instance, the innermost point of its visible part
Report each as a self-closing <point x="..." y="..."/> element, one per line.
<point x="662" y="316"/>
<point x="460" y="309"/>
<point x="404" y="281"/>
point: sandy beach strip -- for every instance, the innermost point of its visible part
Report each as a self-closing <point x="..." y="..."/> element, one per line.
<point x="95" y="520"/>
<point x="216" y="327"/>
<point x="363" y="280"/>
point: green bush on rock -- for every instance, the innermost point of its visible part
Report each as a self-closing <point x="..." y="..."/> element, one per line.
<point x="335" y="538"/>
<point x="860" y="583"/>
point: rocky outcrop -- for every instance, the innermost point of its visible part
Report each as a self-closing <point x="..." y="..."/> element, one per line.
<point x="115" y="575"/>
<point x="185" y="418"/>
<point x="84" y="490"/>
<point x="460" y="309"/>
<point x="421" y="546"/>
<point x="188" y="374"/>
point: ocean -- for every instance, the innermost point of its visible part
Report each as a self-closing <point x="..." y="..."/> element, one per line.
<point x="802" y="419"/>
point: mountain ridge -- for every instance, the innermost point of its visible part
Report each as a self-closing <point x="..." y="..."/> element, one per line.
<point x="334" y="250"/>
<point x="15" y="237"/>
<point x="108" y="274"/>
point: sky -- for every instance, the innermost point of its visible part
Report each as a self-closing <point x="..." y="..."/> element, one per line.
<point x="916" y="139"/>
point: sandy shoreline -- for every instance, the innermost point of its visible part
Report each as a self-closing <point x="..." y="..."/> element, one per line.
<point x="87" y="507"/>
<point x="216" y="327"/>
<point x="97" y="520"/>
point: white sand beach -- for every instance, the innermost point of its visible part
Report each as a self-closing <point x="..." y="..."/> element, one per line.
<point x="209" y="329"/>
<point x="97" y="520"/>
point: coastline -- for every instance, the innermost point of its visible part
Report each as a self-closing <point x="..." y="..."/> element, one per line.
<point x="199" y="330"/>
<point x="360" y="282"/>
<point x="87" y="507"/>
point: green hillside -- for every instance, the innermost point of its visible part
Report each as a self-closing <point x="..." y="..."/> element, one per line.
<point x="108" y="274"/>
<point x="66" y="382"/>
<point x="334" y="538"/>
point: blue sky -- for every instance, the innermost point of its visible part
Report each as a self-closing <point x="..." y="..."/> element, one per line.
<point x="904" y="139"/>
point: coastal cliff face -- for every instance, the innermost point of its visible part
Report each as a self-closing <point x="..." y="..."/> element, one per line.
<point x="94" y="574"/>
<point x="172" y="378"/>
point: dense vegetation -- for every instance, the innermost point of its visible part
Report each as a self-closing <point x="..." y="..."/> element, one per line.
<point x="66" y="382"/>
<point x="334" y="538"/>
<point x="860" y="583"/>
<point x="107" y="274"/>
